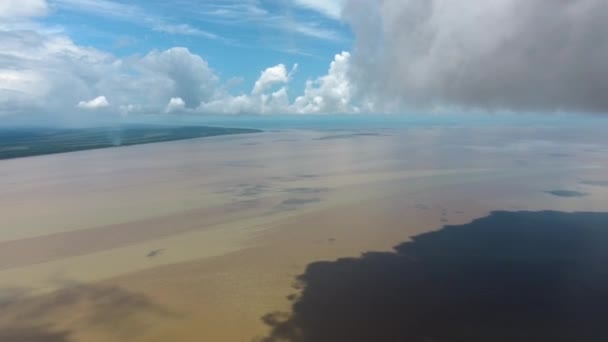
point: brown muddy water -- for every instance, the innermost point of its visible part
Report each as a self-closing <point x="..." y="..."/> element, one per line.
<point x="261" y="237"/>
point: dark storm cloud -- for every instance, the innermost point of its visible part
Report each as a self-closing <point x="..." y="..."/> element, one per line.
<point x="524" y="55"/>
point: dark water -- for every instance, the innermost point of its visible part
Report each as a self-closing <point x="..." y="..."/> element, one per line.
<point x="510" y="276"/>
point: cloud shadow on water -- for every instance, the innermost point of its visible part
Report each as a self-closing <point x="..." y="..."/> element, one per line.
<point x="108" y="311"/>
<point x="566" y="193"/>
<point x="510" y="276"/>
<point x="294" y="203"/>
<point x="33" y="334"/>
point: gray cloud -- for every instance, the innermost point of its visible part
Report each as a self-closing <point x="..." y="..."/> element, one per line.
<point x="522" y="55"/>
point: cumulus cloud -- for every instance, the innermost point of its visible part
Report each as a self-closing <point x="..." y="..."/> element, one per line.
<point x="37" y="68"/>
<point x="96" y="103"/>
<point x="543" y="55"/>
<point x="262" y="99"/>
<point x="267" y="103"/>
<point x="272" y="76"/>
<point x="520" y="55"/>
<point x="190" y="77"/>
<point x="331" y="93"/>
<point x="175" y="104"/>
<point x="11" y="9"/>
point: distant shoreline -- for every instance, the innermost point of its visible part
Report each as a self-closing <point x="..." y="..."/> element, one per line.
<point x="29" y="142"/>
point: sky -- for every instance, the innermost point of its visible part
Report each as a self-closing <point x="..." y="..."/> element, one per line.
<point x="118" y="58"/>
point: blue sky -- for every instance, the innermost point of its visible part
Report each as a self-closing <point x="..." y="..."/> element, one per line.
<point x="237" y="38"/>
<point x="126" y="58"/>
<point x="117" y="58"/>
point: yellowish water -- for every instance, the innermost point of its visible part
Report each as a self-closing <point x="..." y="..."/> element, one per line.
<point x="197" y="240"/>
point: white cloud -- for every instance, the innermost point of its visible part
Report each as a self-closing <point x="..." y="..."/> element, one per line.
<point x="309" y="29"/>
<point x="272" y="76"/>
<point x="531" y="55"/>
<point x="331" y="93"/>
<point x="329" y="8"/>
<point x="279" y="20"/>
<point x="176" y="104"/>
<point x="180" y="73"/>
<point x="20" y="81"/>
<point x="45" y="72"/>
<point x="22" y="8"/>
<point x="37" y="68"/>
<point x="267" y="103"/>
<point x="184" y="29"/>
<point x="261" y="100"/>
<point x="99" y="7"/>
<point x="96" y="103"/>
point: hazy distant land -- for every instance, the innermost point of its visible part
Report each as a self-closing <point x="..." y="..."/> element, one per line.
<point x="25" y="142"/>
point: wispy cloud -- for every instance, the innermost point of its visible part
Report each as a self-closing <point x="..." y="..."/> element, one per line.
<point x="329" y="8"/>
<point x="132" y="14"/>
<point x="184" y="29"/>
<point x="310" y="29"/>
<point x="22" y="8"/>
<point x="99" y="7"/>
<point x="284" y="18"/>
